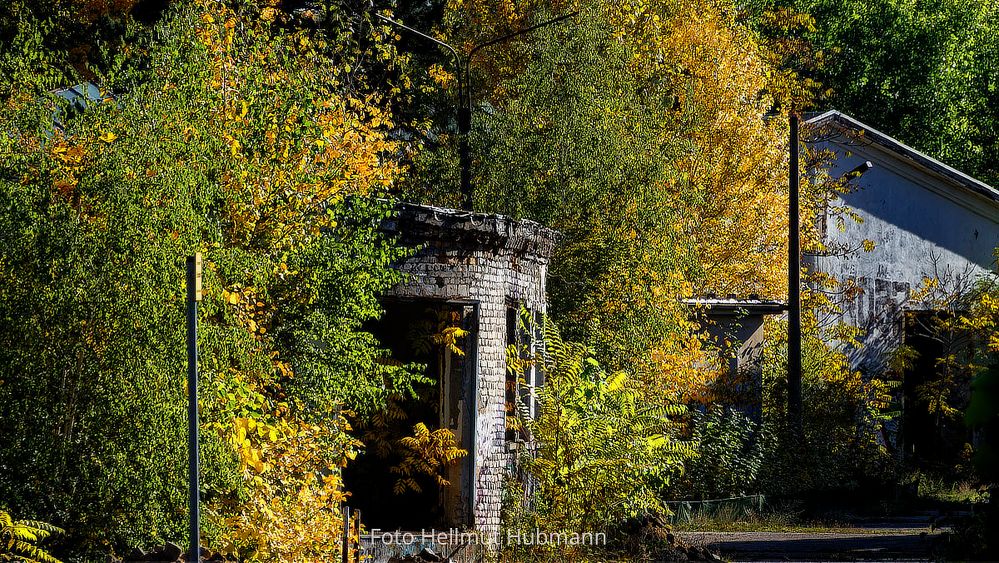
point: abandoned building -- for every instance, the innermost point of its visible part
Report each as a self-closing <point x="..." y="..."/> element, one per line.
<point x="926" y="220"/>
<point x="739" y="321"/>
<point x="475" y="272"/>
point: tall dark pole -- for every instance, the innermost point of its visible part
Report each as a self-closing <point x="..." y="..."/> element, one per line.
<point x="465" y="154"/>
<point x="462" y="67"/>
<point x="193" y="296"/>
<point x="793" y="286"/>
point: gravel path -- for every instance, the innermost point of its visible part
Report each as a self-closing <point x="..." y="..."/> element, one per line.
<point x="886" y="544"/>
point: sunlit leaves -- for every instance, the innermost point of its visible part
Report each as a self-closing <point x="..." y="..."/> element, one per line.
<point x="639" y="130"/>
<point x="425" y="452"/>
<point x="920" y="71"/>
<point x="228" y="137"/>
<point x="605" y="449"/>
<point x="18" y="539"/>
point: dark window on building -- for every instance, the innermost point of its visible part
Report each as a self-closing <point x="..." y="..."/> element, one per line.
<point x="519" y="379"/>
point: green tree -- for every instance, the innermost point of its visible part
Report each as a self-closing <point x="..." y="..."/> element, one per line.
<point x="264" y="148"/>
<point x="643" y="140"/>
<point x="921" y="70"/>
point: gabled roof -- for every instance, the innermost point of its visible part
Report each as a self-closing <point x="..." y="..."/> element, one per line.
<point x="851" y="126"/>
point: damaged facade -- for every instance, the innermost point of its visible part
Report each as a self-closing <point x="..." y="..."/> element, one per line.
<point x="926" y="220"/>
<point x="478" y="272"/>
<point x="934" y="232"/>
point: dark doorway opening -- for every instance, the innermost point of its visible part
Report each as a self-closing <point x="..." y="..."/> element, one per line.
<point x="439" y="336"/>
<point x="937" y="375"/>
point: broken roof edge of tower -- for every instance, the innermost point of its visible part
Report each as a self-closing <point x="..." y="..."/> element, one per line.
<point x="429" y="222"/>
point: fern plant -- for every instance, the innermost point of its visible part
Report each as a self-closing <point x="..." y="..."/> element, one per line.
<point x="18" y="539"/>
<point x="604" y="452"/>
<point x="426" y="452"/>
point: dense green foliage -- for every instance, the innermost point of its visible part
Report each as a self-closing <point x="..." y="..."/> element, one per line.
<point x="923" y="71"/>
<point x="224" y="143"/>
<point x="579" y="136"/>
<point x="730" y="448"/>
<point x="842" y="444"/>
<point x="983" y="414"/>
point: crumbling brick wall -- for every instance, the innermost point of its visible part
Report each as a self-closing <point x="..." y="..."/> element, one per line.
<point x="489" y="261"/>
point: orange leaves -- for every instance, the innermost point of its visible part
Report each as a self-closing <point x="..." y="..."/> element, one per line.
<point x="290" y="471"/>
<point x="284" y="370"/>
<point x="234" y="145"/>
<point x="293" y="513"/>
<point x="687" y="370"/>
<point x="426" y="452"/>
<point x="441" y="77"/>
<point x="732" y="182"/>
<point x="67" y="154"/>
<point x="251" y="312"/>
<point x="72" y="159"/>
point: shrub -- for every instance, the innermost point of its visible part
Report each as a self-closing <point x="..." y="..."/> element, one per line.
<point x="239" y="139"/>
<point x="842" y="438"/>
<point x="602" y="451"/>
<point x="730" y="450"/>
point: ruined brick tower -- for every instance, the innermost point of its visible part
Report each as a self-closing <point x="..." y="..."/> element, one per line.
<point x="488" y="268"/>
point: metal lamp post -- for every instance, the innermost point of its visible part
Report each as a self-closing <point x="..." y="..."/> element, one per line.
<point x="193" y="296"/>
<point x="462" y="66"/>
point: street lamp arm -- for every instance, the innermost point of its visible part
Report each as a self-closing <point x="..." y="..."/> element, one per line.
<point x="503" y="38"/>
<point x="452" y="50"/>
<point x="462" y="70"/>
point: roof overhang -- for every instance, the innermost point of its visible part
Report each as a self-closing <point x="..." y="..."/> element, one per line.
<point x="737" y="307"/>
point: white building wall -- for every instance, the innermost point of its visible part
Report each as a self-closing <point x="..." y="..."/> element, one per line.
<point x="922" y="224"/>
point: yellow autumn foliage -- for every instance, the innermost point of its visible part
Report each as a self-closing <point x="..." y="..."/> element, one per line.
<point x="292" y="469"/>
<point x="336" y="143"/>
<point x="719" y="205"/>
<point x="290" y="163"/>
<point x="425" y="453"/>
